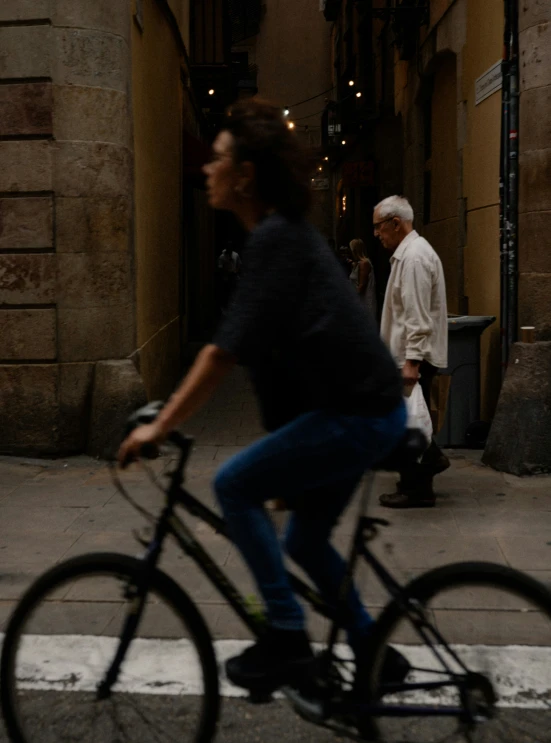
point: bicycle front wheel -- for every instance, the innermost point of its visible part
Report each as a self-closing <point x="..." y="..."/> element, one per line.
<point x="64" y="637"/>
<point x="488" y="664"/>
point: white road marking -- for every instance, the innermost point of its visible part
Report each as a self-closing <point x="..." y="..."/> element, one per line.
<point x="77" y="662"/>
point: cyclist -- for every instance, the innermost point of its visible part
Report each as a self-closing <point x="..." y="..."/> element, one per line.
<point x="329" y="392"/>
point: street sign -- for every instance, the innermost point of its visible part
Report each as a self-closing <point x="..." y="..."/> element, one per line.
<point x="320" y="184"/>
<point x="488" y="83"/>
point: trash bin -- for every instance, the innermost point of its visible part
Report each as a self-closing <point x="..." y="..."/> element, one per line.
<point x="463" y="408"/>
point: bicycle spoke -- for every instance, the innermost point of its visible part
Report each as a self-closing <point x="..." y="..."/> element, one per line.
<point x="505" y="693"/>
<point x="55" y="678"/>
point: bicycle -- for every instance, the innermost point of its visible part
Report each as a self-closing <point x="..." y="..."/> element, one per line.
<point x="137" y="667"/>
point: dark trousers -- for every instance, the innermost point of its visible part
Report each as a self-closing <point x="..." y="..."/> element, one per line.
<point x="417" y="478"/>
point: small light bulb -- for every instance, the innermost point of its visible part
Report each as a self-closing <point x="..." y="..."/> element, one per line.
<point x="351" y="83"/>
<point x="211" y="92"/>
<point x="344" y="141"/>
<point x="358" y="94"/>
<point x="291" y="125"/>
<point x="286" y="112"/>
<point x="320" y="169"/>
<point x="326" y="159"/>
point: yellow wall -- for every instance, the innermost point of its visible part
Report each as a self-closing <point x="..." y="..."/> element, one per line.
<point x="294" y="57"/>
<point x="437" y="10"/>
<point x="463" y="132"/>
<point x="156" y="100"/>
<point x="481" y="185"/>
<point x="442" y="230"/>
<point x="180" y="8"/>
<point x="293" y="54"/>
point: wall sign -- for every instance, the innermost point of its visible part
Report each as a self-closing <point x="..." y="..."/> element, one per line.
<point x="320" y="184"/>
<point x="488" y="83"/>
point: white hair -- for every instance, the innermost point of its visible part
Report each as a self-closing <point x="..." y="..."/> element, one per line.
<point x="395" y="206"/>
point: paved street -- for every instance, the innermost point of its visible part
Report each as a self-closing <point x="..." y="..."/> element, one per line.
<point x="52" y="510"/>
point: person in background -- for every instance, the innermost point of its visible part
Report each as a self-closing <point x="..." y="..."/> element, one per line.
<point x="414" y="326"/>
<point x="363" y="277"/>
<point x="229" y="267"/>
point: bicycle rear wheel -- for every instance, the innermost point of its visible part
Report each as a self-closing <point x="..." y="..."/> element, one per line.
<point x="63" y="637"/>
<point x="492" y="660"/>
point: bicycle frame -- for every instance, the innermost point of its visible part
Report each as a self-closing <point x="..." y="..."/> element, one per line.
<point x="170" y="523"/>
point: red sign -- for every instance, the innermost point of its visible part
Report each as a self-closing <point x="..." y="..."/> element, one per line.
<point x="359" y="173"/>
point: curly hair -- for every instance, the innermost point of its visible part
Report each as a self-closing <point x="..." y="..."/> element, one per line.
<point x="283" y="166"/>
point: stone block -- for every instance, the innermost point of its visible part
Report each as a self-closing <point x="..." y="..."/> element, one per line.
<point x="94" y="225"/>
<point x="93" y="58"/>
<point x="93" y="280"/>
<point x="75" y="389"/>
<point x="26" y="223"/>
<point x="532" y="12"/>
<point x="27" y="278"/>
<point x="535" y="56"/>
<point x="103" y="15"/>
<point x="92" y="169"/>
<point x="28" y="401"/>
<point x="25" y="10"/>
<point x="521" y="430"/>
<point x="534" y="254"/>
<point x="25" y="51"/>
<point x="91" y="114"/>
<point x="535" y="119"/>
<point x="26" y="109"/>
<point x="117" y="392"/>
<point x="26" y="166"/>
<point x="534" y="305"/>
<point x="93" y="334"/>
<point x="535" y="183"/>
<point x="28" y="335"/>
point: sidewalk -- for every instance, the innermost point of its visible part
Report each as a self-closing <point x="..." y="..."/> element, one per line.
<point x="52" y="510"/>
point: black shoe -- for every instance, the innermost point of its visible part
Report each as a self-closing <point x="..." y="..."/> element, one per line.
<point x="279" y="658"/>
<point x="393" y="673"/>
<point x="407" y="500"/>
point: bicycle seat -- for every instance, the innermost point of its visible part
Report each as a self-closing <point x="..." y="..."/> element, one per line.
<point x="408" y="451"/>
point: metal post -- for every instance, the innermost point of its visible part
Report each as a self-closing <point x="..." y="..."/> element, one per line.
<point x="503" y="195"/>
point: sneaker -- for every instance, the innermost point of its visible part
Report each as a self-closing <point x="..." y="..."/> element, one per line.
<point x="278" y="658"/>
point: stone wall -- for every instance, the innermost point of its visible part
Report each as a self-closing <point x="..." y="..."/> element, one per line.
<point x="66" y="260"/>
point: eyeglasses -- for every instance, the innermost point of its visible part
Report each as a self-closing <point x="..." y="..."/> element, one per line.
<point x="377" y="225"/>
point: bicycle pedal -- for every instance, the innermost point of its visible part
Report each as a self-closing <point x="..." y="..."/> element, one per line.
<point x="260" y="697"/>
<point x="143" y="536"/>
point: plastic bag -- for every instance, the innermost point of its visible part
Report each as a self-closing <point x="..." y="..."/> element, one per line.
<point x="418" y="412"/>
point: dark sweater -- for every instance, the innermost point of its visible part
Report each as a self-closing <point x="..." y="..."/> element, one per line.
<point x="298" y="325"/>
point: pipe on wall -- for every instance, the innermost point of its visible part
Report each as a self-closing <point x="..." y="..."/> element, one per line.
<point x="509" y="183"/>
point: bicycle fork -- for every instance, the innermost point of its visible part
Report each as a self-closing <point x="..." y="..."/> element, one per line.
<point x="137" y="595"/>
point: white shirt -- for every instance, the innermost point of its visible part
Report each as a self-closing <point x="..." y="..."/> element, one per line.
<point x="414" y="324"/>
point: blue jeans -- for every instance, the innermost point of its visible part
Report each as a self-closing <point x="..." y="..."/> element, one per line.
<point x="314" y="463"/>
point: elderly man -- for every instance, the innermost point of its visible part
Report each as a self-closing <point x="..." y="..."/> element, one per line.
<point x="414" y="326"/>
